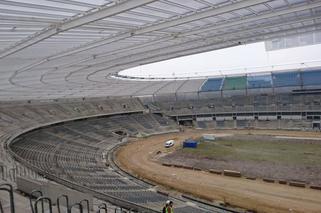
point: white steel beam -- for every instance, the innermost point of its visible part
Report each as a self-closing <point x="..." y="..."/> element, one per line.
<point x="202" y="15"/>
<point x="32" y="14"/>
<point x="192" y="17"/>
<point x="105" y="57"/>
<point x="28" y="19"/>
<point x="91" y="16"/>
<point x="37" y="6"/>
<point x="166" y="24"/>
<point x="76" y="3"/>
<point x="258" y="17"/>
<point x="234" y="23"/>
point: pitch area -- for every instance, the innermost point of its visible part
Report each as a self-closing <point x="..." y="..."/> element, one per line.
<point x="142" y="158"/>
<point x="256" y="156"/>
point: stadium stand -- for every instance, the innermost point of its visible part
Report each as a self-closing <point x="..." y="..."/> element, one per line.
<point x="304" y="108"/>
<point x="69" y="140"/>
<point x="241" y="124"/>
<point x="186" y="91"/>
<point x="201" y="124"/>
<point x="235" y="83"/>
<point x="73" y="152"/>
<point x="286" y="79"/>
<point x="30" y="114"/>
<point x="311" y="78"/>
<point x="212" y="84"/>
<point x="295" y="81"/>
<point x="259" y="81"/>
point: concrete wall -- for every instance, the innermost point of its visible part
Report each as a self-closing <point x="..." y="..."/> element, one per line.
<point x="267" y="117"/>
<point x="204" y="118"/>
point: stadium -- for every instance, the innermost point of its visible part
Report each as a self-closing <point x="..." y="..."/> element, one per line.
<point x="79" y="135"/>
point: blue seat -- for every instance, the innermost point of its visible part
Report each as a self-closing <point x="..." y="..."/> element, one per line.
<point x="311" y="78"/>
<point x="212" y="84"/>
<point x="286" y="79"/>
<point x="259" y="81"/>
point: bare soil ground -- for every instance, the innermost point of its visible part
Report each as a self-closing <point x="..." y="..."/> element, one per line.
<point x="141" y="158"/>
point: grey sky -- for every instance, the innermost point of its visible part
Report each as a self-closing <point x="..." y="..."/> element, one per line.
<point x="241" y="59"/>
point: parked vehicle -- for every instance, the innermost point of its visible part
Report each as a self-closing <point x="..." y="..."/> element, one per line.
<point x="169" y="143"/>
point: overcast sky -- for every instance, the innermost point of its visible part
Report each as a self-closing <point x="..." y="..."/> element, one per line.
<point x="240" y="59"/>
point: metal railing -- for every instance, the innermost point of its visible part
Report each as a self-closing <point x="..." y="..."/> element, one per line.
<point x="58" y="202"/>
<point x="41" y="200"/>
<point x="8" y="188"/>
<point x="82" y="206"/>
<point x="41" y="204"/>
<point x="34" y="195"/>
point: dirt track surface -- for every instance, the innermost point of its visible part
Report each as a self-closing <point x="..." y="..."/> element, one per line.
<point x="140" y="158"/>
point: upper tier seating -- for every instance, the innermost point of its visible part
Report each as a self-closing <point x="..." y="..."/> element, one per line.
<point x="235" y="83"/>
<point x="259" y="81"/>
<point x="237" y="104"/>
<point x="286" y="79"/>
<point x="311" y="78"/>
<point x="212" y="84"/>
<point x="261" y="84"/>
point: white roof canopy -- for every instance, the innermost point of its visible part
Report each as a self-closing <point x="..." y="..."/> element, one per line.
<point x="59" y="48"/>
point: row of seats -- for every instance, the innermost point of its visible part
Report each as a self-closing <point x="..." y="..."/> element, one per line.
<point x="74" y="151"/>
<point x="257" y="81"/>
<point x="17" y="116"/>
<point x="26" y="114"/>
<point x="258" y="124"/>
<point x="254" y="103"/>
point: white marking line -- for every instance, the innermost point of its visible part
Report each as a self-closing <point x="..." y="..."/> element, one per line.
<point x="297" y="138"/>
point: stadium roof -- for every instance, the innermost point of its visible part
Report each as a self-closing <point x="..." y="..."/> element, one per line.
<point x="59" y="48"/>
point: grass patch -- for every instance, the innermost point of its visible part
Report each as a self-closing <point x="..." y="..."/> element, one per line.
<point x="285" y="152"/>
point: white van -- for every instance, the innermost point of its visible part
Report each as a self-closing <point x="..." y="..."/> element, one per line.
<point x="169" y="143"/>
